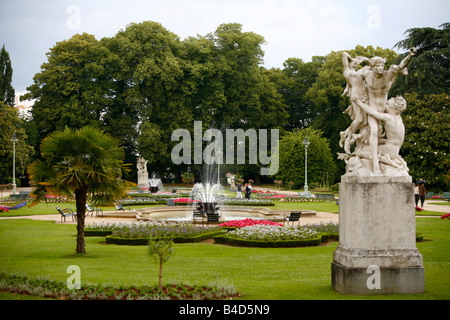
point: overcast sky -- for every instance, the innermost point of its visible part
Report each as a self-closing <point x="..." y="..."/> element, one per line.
<point x="291" y="28"/>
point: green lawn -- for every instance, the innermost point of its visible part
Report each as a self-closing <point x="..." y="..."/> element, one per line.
<point x="47" y="249"/>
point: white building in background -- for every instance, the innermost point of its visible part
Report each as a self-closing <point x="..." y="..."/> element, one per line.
<point x="23" y="106"/>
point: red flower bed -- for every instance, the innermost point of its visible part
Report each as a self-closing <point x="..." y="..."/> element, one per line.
<point x="184" y="200"/>
<point x="247" y="222"/>
<point x="275" y="196"/>
<point x="445" y="216"/>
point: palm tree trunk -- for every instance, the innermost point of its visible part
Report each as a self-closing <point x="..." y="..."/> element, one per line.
<point x="80" y="199"/>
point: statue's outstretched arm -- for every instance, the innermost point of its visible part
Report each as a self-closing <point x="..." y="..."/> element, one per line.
<point x="405" y="62"/>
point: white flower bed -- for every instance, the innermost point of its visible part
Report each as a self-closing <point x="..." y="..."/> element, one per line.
<point x="273" y="233"/>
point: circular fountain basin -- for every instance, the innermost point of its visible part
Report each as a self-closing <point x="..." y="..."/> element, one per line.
<point x="227" y="213"/>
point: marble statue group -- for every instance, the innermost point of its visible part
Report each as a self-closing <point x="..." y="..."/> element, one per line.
<point x="377" y="128"/>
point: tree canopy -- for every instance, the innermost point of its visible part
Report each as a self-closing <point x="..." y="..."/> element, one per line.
<point x="429" y="71"/>
<point x="426" y="147"/>
<point x="292" y="158"/>
<point x="145" y="82"/>
<point x="7" y="93"/>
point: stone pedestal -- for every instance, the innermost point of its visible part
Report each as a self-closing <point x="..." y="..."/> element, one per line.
<point x="143" y="180"/>
<point x="377" y="237"/>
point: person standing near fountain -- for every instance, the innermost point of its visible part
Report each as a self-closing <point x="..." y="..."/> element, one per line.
<point x="239" y="191"/>
<point x="248" y="191"/>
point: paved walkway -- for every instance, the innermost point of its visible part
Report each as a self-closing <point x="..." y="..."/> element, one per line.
<point x="319" y="217"/>
<point x="306" y="219"/>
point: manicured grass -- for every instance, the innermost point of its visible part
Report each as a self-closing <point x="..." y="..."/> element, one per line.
<point x="47" y="249"/>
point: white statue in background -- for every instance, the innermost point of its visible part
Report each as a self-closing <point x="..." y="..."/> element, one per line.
<point x="142" y="173"/>
<point x="370" y="112"/>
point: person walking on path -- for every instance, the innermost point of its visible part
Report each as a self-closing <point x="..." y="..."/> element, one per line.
<point x="422" y="191"/>
<point x="416" y="194"/>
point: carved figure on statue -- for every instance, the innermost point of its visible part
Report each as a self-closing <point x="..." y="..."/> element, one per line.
<point x="356" y="88"/>
<point x="388" y="147"/>
<point x="368" y="90"/>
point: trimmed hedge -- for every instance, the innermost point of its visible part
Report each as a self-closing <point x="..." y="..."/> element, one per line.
<point x="224" y="239"/>
<point x="97" y="233"/>
<point x="110" y="239"/>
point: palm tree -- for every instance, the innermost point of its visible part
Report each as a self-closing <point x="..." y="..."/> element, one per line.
<point x="82" y="162"/>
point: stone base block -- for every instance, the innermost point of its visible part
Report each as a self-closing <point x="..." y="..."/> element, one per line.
<point x="384" y="280"/>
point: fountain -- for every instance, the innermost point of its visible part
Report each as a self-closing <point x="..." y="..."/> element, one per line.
<point x="205" y="201"/>
<point x="155" y="184"/>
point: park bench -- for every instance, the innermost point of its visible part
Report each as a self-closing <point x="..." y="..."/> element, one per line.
<point x="292" y="217"/>
<point x="212" y="217"/>
<point x="66" y="213"/>
<point x="91" y="210"/>
<point x="198" y="215"/>
<point x="119" y="207"/>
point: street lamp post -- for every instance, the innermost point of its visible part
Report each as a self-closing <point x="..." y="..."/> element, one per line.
<point x="14" y="140"/>
<point x="305" y="192"/>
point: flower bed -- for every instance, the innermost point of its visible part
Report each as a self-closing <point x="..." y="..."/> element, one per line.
<point x="15" y="207"/>
<point x="140" y="233"/>
<point x="274" y="196"/>
<point x="226" y="202"/>
<point x="261" y="235"/>
<point x="47" y="288"/>
<point x="246" y="222"/>
<point x="300" y="199"/>
<point x="445" y="216"/>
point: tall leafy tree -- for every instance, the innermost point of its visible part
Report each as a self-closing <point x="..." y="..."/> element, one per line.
<point x="72" y="88"/>
<point x="84" y="162"/>
<point x="231" y="90"/>
<point x="429" y="71"/>
<point x="150" y="87"/>
<point x="10" y="122"/>
<point x="7" y="93"/>
<point x="301" y="76"/>
<point x="292" y="157"/>
<point x="426" y="147"/>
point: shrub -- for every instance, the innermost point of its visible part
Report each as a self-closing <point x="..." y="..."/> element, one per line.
<point x="140" y="233"/>
<point x="226" y="239"/>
